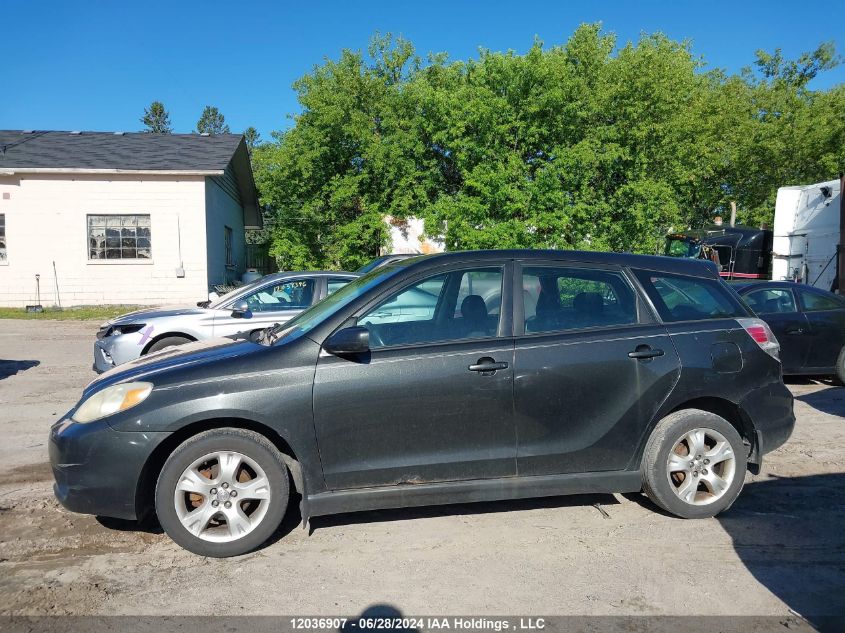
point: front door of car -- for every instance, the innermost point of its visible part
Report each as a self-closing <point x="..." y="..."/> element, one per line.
<point x="275" y="302"/>
<point x="592" y="367"/>
<point x="433" y="399"/>
<point x="778" y="308"/>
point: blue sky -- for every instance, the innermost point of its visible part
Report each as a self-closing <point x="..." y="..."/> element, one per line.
<point x="94" y="65"/>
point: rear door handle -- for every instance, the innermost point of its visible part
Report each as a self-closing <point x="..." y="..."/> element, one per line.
<point x="485" y="365"/>
<point x="795" y="330"/>
<point x="644" y="352"/>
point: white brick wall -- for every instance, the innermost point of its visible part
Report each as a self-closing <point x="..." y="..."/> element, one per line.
<point x="46" y="222"/>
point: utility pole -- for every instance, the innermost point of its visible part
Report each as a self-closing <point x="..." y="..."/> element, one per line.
<point x="840" y="256"/>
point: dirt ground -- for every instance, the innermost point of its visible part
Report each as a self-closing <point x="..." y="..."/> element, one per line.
<point x="780" y="549"/>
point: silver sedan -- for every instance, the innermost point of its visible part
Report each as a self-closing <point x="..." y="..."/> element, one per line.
<point x="249" y="309"/>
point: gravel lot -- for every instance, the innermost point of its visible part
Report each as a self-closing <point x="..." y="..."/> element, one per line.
<point x="780" y="548"/>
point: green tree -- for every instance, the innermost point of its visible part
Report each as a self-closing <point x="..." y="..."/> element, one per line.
<point x="587" y="145"/>
<point x="156" y="119"/>
<point x="212" y="122"/>
<point x="252" y="138"/>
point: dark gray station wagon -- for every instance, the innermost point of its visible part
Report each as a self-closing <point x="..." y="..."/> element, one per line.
<point x="461" y="377"/>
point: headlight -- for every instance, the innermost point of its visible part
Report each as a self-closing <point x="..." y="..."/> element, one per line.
<point x="117" y="330"/>
<point x="111" y="400"/>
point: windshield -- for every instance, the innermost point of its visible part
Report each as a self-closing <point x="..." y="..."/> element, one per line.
<point x="682" y="247"/>
<point x="219" y="301"/>
<point x="316" y="314"/>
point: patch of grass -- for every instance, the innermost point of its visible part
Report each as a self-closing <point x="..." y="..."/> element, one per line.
<point x="76" y="313"/>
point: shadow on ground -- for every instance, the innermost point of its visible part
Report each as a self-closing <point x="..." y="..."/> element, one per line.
<point x="790" y="534"/>
<point x="12" y="367"/>
<point x="830" y="401"/>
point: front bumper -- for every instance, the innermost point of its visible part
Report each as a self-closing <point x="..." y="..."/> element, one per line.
<point x="115" y="350"/>
<point x="97" y="469"/>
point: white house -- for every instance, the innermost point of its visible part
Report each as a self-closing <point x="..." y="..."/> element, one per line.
<point x="126" y="218"/>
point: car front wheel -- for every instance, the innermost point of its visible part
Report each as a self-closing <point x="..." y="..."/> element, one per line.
<point x="222" y="492"/>
<point x="694" y="464"/>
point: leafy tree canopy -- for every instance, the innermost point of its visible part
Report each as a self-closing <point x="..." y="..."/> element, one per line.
<point x="212" y="122"/>
<point x="156" y="119"/>
<point x="587" y="145"/>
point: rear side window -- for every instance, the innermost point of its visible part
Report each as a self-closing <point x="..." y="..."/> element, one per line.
<point x="817" y="302"/>
<point x="572" y="298"/>
<point x="680" y="298"/>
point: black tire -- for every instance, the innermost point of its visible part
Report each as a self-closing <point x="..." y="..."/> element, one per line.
<point x="840" y="367"/>
<point x="660" y="485"/>
<point x="168" y="341"/>
<point x="254" y="446"/>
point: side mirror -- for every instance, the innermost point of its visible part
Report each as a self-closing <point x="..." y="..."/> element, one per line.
<point x="349" y="340"/>
<point x="240" y="309"/>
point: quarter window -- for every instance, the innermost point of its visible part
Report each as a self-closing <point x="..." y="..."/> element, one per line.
<point x="557" y="299"/>
<point x="2" y="237"/>
<point x="680" y="298"/>
<point x="817" y="302"/>
<point x="119" y="237"/>
<point x="771" y="301"/>
<point x="463" y="304"/>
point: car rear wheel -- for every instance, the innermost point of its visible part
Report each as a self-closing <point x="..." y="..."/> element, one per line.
<point x="694" y="464"/>
<point x="168" y="341"/>
<point x="222" y="492"/>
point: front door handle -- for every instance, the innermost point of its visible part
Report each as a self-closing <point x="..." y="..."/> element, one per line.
<point x="487" y="366"/>
<point x="644" y="352"/>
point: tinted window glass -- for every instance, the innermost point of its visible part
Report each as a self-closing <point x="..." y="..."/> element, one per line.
<point x="290" y="294"/>
<point x="771" y="301"/>
<point x="462" y="304"/>
<point x="816" y="302"/>
<point x="335" y="284"/>
<point x="680" y="298"/>
<point x="569" y="298"/>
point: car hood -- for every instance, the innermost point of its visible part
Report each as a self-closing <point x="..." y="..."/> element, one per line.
<point x="141" y="316"/>
<point x="182" y="356"/>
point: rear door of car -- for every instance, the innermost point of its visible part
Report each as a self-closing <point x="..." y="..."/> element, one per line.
<point x="592" y="365"/>
<point x="825" y="313"/>
<point x="779" y="308"/>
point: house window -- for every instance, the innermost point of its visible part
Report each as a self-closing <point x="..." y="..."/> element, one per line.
<point x="2" y="237"/>
<point x="227" y="238"/>
<point x="119" y="237"/>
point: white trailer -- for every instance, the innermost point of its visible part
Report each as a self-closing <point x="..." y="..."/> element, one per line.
<point x="806" y="234"/>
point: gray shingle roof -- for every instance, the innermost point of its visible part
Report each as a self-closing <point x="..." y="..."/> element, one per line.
<point x="107" y="150"/>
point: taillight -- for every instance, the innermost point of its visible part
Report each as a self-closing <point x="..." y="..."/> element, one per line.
<point x="762" y="334"/>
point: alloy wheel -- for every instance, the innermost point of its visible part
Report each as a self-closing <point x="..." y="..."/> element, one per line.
<point x="701" y="466"/>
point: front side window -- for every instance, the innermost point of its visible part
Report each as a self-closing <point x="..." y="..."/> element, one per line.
<point x="771" y="301"/>
<point x="291" y="294"/>
<point x="681" y="298"/>
<point x="462" y="304"/>
<point x="2" y="237"/>
<point x="562" y="298"/>
<point x="119" y="237"/>
<point x="817" y="302"/>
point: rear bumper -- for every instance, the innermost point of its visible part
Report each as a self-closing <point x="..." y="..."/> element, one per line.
<point x="96" y="468"/>
<point x="771" y="411"/>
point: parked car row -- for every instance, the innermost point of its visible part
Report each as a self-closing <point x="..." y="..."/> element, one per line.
<point x="449" y="378"/>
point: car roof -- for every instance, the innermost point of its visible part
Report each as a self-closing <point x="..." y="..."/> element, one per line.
<point x="679" y="265"/>
<point x="308" y="273"/>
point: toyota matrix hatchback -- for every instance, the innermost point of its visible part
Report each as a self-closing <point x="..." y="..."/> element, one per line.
<point x="452" y="378"/>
